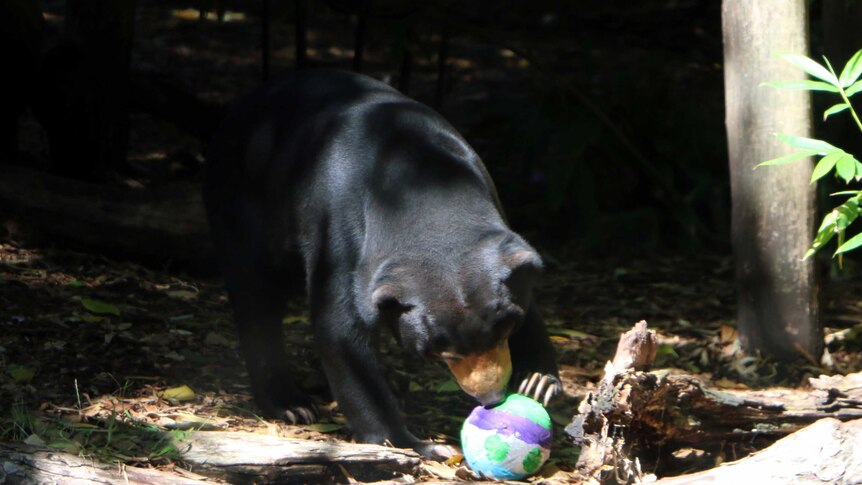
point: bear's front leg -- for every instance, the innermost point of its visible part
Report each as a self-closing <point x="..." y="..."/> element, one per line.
<point x="258" y="301"/>
<point x="533" y="360"/>
<point x="347" y="349"/>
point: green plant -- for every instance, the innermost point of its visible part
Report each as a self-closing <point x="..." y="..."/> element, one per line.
<point x="18" y="425"/>
<point x="832" y="159"/>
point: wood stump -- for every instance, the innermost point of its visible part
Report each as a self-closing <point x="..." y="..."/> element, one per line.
<point x="636" y="413"/>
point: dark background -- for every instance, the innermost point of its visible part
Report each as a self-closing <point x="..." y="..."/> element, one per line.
<point x="601" y="122"/>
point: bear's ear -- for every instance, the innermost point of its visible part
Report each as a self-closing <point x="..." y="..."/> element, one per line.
<point x="522" y="259"/>
<point x="525" y="266"/>
<point x="387" y="299"/>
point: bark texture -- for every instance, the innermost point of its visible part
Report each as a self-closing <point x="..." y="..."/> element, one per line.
<point x="219" y="457"/>
<point x="27" y="465"/>
<point x="772" y="208"/>
<point x="634" y="413"/>
<point x="827" y="452"/>
<point x="253" y="458"/>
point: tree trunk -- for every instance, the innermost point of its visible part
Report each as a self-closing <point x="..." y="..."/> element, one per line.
<point x="85" y="107"/>
<point x="265" y="23"/>
<point x="772" y="209"/>
<point x="21" y="26"/>
<point x="442" y="74"/>
<point x="300" y="32"/>
<point x="359" y="35"/>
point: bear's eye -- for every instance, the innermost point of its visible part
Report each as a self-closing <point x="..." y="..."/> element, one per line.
<point x="391" y="307"/>
<point x="508" y="324"/>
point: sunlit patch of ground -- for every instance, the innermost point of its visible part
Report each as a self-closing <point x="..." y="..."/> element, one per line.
<point x="88" y="344"/>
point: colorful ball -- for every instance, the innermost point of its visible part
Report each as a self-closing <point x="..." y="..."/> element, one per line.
<point x="510" y="441"/>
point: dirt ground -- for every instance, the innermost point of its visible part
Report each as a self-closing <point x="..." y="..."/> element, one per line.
<point x="87" y="341"/>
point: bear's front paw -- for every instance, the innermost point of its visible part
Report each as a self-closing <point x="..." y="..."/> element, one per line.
<point x="436" y="451"/>
<point x="293" y="414"/>
<point x="541" y="387"/>
<point x="286" y="403"/>
<point x="300" y="415"/>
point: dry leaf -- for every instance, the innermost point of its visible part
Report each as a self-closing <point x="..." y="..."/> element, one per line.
<point x="439" y="470"/>
<point x="179" y="393"/>
<point x="184" y="295"/>
<point x="727" y="334"/>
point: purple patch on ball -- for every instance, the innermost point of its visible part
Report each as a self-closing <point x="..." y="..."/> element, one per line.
<point x="505" y="424"/>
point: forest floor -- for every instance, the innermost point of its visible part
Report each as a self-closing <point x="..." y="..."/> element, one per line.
<point x="106" y="358"/>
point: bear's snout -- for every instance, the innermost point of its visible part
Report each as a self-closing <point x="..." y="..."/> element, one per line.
<point x="484" y="375"/>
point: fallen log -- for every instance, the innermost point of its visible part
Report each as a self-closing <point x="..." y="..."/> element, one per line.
<point x="826" y="452"/>
<point x="253" y="458"/>
<point x="148" y="224"/>
<point x="24" y="464"/>
<point x="602" y="454"/>
<point x="218" y="457"/>
<point x="639" y="413"/>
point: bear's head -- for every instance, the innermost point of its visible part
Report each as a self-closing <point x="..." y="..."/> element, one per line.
<point x="460" y="307"/>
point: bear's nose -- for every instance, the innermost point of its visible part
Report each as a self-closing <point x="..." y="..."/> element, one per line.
<point x="492" y="398"/>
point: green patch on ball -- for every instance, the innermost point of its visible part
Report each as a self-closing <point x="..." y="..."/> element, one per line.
<point x="510" y="441"/>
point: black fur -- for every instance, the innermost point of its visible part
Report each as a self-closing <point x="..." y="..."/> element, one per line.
<point x="397" y="223"/>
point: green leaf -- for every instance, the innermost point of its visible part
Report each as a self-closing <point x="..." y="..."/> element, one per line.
<point x="846" y="168"/>
<point x="447" y="386"/>
<point x="835" y="109"/>
<point x="289" y="319"/>
<point x="566" y="332"/>
<point x="786" y="159"/>
<point x="846" y="192"/>
<point x="824" y="166"/>
<point x="818" y="146"/>
<point x="828" y="221"/>
<point x="852" y="70"/>
<point x="86" y="317"/>
<point x="840" y="243"/>
<point x="847" y="213"/>
<point x="664" y="350"/>
<point x="811" y="67"/>
<point x="807" y="85"/>
<point x="850" y="245"/>
<point x="824" y="234"/>
<point x="822" y="238"/>
<point x="324" y="427"/>
<point x="855" y="88"/>
<point x="100" y="307"/>
<point x="21" y="374"/>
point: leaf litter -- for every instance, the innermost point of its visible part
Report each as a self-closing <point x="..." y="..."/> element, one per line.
<point x="118" y="351"/>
